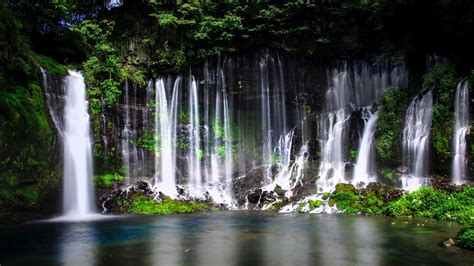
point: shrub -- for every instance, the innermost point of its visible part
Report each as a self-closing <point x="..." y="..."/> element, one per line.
<point x="466" y="238"/>
<point x="429" y="203"/>
<point x="142" y="205"/>
<point x="107" y="180"/>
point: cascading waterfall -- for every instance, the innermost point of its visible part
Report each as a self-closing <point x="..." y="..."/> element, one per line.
<point x="332" y="131"/>
<point x="415" y="141"/>
<point x="228" y="143"/>
<point x="265" y="115"/>
<point x="78" y="191"/>
<point x="350" y="87"/>
<point x="216" y="142"/>
<point x="195" y="126"/>
<point x="277" y="140"/>
<point x="364" y="171"/>
<point x="195" y="152"/>
<point x="126" y="137"/>
<point x="53" y="100"/>
<point x="166" y="117"/>
<point x="461" y="128"/>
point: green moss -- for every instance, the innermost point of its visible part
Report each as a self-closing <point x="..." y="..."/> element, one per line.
<point x="107" y="180"/>
<point x="277" y="205"/>
<point x="326" y="195"/>
<point x="143" y="205"/>
<point x="312" y="204"/>
<point x="349" y="200"/>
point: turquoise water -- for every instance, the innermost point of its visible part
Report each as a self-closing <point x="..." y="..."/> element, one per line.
<point x="232" y="238"/>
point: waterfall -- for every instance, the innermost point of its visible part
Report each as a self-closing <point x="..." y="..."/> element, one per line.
<point x="129" y="135"/>
<point x="126" y="136"/>
<point x="364" y="171"/>
<point x="265" y="114"/>
<point x="195" y="152"/>
<point x="332" y="131"/>
<point x="461" y="128"/>
<point x="217" y="132"/>
<point x="352" y="86"/>
<point x="415" y="140"/>
<point x="166" y="118"/>
<point x="78" y="190"/>
<point x="228" y="142"/>
<point x="54" y="101"/>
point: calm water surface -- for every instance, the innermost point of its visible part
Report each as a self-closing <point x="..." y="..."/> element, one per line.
<point x="232" y="238"/>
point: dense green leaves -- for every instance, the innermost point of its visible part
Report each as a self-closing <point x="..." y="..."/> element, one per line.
<point x="142" y="205"/>
<point x="389" y="125"/>
<point x="442" y="79"/>
<point x="430" y="203"/>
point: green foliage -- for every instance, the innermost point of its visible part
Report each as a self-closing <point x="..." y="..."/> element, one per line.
<point x="420" y="203"/>
<point x="352" y="155"/>
<point x="465" y="238"/>
<point x="310" y="204"/>
<point x="103" y="70"/>
<point x="274" y="159"/>
<point x="349" y="200"/>
<point x="147" y="140"/>
<point x="389" y="124"/>
<point x="108" y="180"/>
<point x="443" y="80"/>
<point x="50" y="65"/>
<point x="429" y="203"/>
<point x="182" y="143"/>
<point x="143" y="205"/>
<point x="345" y="197"/>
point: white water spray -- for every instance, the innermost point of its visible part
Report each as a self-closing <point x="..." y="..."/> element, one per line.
<point x="364" y="171"/>
<point x="415" y="142"/>
<point x="78" y="192"/>
<point x="461" y="128"/>
<point x="166" y="116"/>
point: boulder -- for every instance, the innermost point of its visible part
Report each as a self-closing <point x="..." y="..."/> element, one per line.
<point x="448" y="243"/>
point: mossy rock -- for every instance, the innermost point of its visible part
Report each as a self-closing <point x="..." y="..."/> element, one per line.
<point x="313" y="204"/>
<point x="331" y="202"/>
<point x="279" y="191"/>
<point x="326" y="196"/>
<point x="346" y="188"/>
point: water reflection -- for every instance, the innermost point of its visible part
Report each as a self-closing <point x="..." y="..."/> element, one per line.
<point x="166" y="244"/>
<point x="77" y="244"/>
<point x="287" y="245"/>
<point x="332" y="239"/>
<point x="237" y="238"/>
<point x="367" y="241"/>
<point x="215" y="242"/>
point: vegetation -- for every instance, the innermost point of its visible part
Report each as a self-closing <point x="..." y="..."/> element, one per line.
<point x="423" y="203"/>
<point x="391" y="115"/>
<point x="108" y="180"/>
<point x="465" y="238"/>
<point x="142" y="205"/>
<point x="27" y="143"/>
<point x="350" y="201"/>
<point x="442" y="79"/>
<point x="309" y="204"/>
